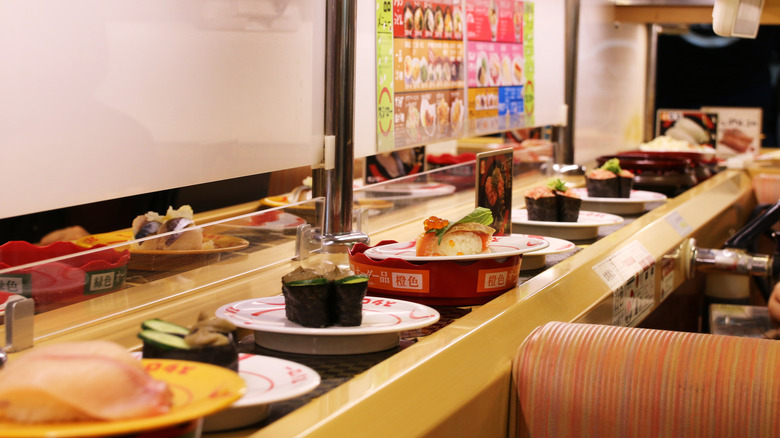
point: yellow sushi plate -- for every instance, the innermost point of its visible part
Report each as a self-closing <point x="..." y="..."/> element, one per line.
<point x="199" y="389"/>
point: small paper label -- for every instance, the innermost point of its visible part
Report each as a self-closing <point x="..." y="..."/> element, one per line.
<point x="679" y="224"/>
<point x="630" y="274"/>
<point x="633" y="299"/>
<point x="17" y="284"/>
<point x="491" y="280"/>
<point x="400" y="280"/>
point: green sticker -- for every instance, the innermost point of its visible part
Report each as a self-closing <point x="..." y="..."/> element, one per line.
<point x="384" y="76"/>
<point x="528" y="53"/>
<point x="17" y="284"/>
<point x="98" y="282"/>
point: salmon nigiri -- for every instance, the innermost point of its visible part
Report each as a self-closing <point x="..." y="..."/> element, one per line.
<point x="468" y="236"/>
<point x="79" y="381"/>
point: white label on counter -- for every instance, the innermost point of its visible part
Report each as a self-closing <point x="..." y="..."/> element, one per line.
<point x="633" y="299"/>
<point x="667" y="277"/>
<point x="630" y="274"/>
<point x="679" y="224"/>
<point x="623" y="264"/>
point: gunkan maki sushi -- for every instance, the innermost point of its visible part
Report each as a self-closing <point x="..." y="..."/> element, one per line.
<point x="211" y="340"/>
<point x="348" y="291"/>
<point x="609" y="181"/>
<point x="553" y="202"/>
<point x="568" y="202"/>
<point x="541" y="204"/>
<point x="307" y="298"/>
<point x="315" y="300"/>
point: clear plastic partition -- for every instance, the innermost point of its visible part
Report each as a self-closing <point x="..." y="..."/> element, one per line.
<point x="157" y="259"/>
<point x="162" y="259"/>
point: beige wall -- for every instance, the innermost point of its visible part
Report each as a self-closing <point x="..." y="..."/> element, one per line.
<point x="610" y="85"/>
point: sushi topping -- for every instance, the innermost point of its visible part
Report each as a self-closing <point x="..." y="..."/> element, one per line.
<point x="353" y="279"/>
<point x="539" y="192"/>
<point x="302" y="275"/>
<point x="207" y="332"/>
<point x="176" y="224"/>
<point x="164" y="326"/>
<point x="601" y="174"/>
<point x="164" y="340"/>
<point x="147" y="229"/>
<point x="435" y="223"/>
<point x="179" y="222"/>
<point x="557" y="185"/>
<point x="613" y="165"/>
<point x="307" y="282"/>
<point x="480" y="215"/>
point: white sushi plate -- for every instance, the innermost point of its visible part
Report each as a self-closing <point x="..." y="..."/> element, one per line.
<point x="499" y="247"/>
<point x="586" y="227"/>
<point x="634" y="204"/>
<point x="277" y="222"/>
<point x="537" y="258"/>
<point x="383" y="321"/>
<point x="400" y="191"/>
<point x="268" y="380"/>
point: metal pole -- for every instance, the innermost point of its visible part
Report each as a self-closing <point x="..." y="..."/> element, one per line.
<point x="651" y="65"/>
<point x="572" y="22"/>
<point x="336" y="183"/>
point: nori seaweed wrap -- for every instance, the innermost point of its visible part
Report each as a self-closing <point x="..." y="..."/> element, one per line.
<point x="348" y="294"/>
<point x="553" y="203"/>
<point x="541" y="204"/>
<point x="626" y="183"/>
<point x="307" y="298"/>
<point x="225" y="355"/>
<point x="568" y="206"/>
<point x="602" y="183"/>
<point x="610" y="181"/>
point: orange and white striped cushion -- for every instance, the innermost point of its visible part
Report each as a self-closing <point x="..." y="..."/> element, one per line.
<point x="587" y="380"/>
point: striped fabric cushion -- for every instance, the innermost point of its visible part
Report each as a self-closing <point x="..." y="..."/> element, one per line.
<point x="586" y="380"/>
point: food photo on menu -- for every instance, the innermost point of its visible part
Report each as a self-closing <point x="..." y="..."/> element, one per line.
<point x="692" y="127"/>
<point x="494" y="187"/>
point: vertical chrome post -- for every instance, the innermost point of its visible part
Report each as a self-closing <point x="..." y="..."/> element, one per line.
<point x="571" y="36"/>
<point x="651" y="64"/>
<point x="336" y="183"/>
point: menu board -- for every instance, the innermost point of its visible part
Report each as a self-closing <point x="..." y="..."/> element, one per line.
<point x="459" y="68"/>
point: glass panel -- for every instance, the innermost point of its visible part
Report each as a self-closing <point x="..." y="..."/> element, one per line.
<point x="106" y="274"/>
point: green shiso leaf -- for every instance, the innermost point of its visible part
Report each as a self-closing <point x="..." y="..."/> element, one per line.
<point x="557" y="185"/>
<point x="480" y="215"/>
<point x="612" y="165"/>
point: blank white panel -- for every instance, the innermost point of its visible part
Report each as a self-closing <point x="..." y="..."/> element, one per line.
<point x="108" y="98"/>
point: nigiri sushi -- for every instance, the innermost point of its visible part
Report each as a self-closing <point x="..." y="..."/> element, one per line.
<point x="188" y="237"/>
<point x="470" y="235"/>
<point x="79" y="381"/>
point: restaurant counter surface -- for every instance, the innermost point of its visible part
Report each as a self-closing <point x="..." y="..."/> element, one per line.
<point x="455" y="380"/>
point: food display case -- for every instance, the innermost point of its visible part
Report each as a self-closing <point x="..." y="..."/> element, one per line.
<point x="417" y="367"/>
